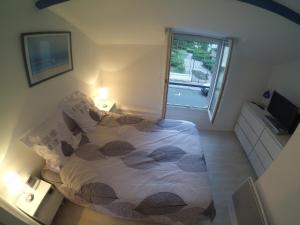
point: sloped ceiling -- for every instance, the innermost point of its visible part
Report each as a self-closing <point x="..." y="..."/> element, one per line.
<point x="292" y="4"/>
<point x="260" y="34"/>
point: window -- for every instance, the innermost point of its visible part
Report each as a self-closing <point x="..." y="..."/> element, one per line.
<point x="219" y="80"/>
<point x="197" y="71"/>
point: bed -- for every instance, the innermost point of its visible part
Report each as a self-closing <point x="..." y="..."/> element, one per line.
<point x="133" y="168"/>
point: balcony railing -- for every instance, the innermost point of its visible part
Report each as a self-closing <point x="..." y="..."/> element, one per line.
<point x="188" y="95"/>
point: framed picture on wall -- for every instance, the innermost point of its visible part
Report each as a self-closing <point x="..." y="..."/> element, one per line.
<point x="46" y="55"/>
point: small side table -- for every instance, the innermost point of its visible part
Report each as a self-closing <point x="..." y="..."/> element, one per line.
<point x="41" y="203"/>
<point x="106" y="105"/>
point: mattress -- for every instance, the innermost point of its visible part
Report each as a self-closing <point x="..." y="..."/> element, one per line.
<point x="150" y="170"/>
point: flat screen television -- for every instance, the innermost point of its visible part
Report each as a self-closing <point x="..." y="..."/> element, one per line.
<point x="285" y="112"/>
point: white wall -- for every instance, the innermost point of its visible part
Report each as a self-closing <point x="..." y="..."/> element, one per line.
<point x="23" y="107"/>
<point x="279" y="186"/>
<point x="134" y="75"/>
<point x="285" y="79"/>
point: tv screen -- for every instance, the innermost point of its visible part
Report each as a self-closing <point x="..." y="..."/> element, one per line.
<point x="285" y="112"/>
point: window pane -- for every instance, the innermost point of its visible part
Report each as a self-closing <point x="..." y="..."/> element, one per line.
<point x="220" y="77"/>
<point x="192" y="65"/>
<point x="186" y="96"/>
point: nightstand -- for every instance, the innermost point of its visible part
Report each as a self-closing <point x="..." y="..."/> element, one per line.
<point x="105" y="105"/>
<point x="41" y="202"/>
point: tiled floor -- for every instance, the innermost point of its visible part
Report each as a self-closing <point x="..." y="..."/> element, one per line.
<point x="227" y="167"/>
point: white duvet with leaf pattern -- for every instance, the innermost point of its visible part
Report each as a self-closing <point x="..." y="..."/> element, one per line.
<point x="133" y="168"/>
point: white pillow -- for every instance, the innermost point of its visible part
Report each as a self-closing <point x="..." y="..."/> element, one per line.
<point x="82" y="109"/>
<point x="53" y="140"/>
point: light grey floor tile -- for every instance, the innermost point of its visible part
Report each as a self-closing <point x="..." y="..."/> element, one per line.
<point x="227" y="168"/>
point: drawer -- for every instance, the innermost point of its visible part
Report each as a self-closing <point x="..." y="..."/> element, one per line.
<point x="254" y="121"/>
<point x="263" y="155"/>
<point x="270" y="144"/>
<point x="256" y="164"/>
<point x="243" y="139"/>
<point x="250" y="134"/>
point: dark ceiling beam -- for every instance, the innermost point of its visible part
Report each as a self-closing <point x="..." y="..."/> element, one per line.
<point x="277" y="8"/>
<point x="41" y="4"/>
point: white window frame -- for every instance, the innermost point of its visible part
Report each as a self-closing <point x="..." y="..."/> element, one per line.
<point x="212" y="114"/>
<point x="193" y="37"/>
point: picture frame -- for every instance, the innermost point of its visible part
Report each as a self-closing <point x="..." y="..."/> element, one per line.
<point x="46" y="55"/>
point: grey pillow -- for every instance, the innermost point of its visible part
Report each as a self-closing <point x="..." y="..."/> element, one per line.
<point x="71" y="124"/>
<point x="53" y="140"/>
<point x="82" y="110"/>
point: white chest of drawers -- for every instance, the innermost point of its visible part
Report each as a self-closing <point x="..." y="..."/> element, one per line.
<point x="261" y="145"/>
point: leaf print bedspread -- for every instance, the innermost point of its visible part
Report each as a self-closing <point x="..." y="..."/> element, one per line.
<point x="134" y="168"/>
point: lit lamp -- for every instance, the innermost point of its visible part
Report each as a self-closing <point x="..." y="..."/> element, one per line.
<point x="15" y="185"/>
<point x="13" y="182"/>
<point x="101" y="97"/>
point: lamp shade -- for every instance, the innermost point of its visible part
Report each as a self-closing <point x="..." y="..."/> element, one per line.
<point x="102" y="93"/>
<point x="13" y="182"/>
